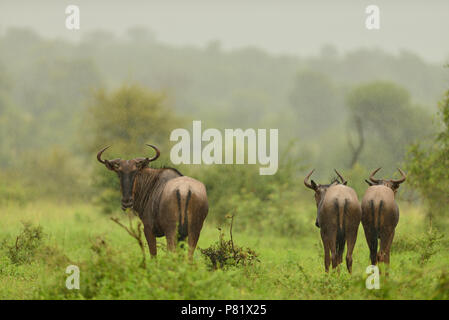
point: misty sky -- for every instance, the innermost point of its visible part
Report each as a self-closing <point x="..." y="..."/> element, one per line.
<point x="295" y="27"/>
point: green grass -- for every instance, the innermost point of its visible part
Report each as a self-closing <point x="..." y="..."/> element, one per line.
<point x="289" y="268"/>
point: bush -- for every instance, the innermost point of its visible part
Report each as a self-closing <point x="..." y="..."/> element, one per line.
<point x="55" y="173"/>
<point x="427" y="167"/>
<point x="29" y="246"/>
<point x="261" y="203"/>
<point x="442" y="287"/>
<point x="429" y="245"/>
<point x="112" y="274"/>
<point x="14" y="190"/>
<point x="26" y="244"/>
<point x="224" y="254"/>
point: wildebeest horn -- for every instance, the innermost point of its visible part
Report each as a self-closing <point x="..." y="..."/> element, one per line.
<point x="99" y="155"/>
<point x="400" y="180"/>
<point x="371" y="177"/>
<point x="158" y="153"/>
<point x="306" y="181"/>
<point x="343" y="181"/>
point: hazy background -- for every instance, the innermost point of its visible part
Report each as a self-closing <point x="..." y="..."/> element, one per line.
<point x="341" y="96"/>
<point x="304" y="25"/>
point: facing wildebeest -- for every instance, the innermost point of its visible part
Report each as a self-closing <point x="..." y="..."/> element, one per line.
<point x="338" y="217"/>
<point x="168" y="203"/>
<point x="380" y="215"/>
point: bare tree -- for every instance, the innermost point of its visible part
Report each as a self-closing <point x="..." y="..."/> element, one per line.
<point x="356" y="149"/>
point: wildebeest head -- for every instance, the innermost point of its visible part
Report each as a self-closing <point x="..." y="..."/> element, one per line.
<point x="391" y="183"/>
<point x="320" y="189"/>
<point x="127" y="171"/>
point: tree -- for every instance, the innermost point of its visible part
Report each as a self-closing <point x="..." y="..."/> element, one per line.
<point x="316" y="101"/>
<point x="127" y="119"/>
<point x="384" y="121"/>
<point x="428" y="166"/>
<point x="14" y="125"/>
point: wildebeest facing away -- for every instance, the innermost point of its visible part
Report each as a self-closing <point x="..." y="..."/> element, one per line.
<point x="338" y="217"/>
<point x="168" y="203"/>
<point x="380" y="215"/>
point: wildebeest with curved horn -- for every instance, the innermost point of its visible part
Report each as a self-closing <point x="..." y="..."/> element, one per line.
<point x="338" y="217"/>
<point x="168" y="203"/>
<point x="380" y="215"/>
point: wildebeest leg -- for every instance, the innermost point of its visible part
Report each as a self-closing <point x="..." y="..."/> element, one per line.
<point x="387" y="251"/>
<point x="151" y="239"/>
<point x="194" y="234"/>
<point x="171" y="241"/>
<point x="333" y="248"/>
<point x="384" y="239"/>
<point x="193" y="240"/>
<point x="351" y="238"/>
<point x="385" y="245"/>
<point x="388" y="248"/>
<point x="340" y="247"/>
<point x="327" y="258"/>
<point x="371" y="239"/>
<point x="196" y="215"/>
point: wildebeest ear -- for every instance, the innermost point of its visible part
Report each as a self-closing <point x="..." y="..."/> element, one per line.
<point x="369" y="183"/>
<point x="313" y="184"/>
<point x="345" y="183"/>
<point x="109" y="165"/>
<point x="142" y="163"/>
<point x="396" y="185"/>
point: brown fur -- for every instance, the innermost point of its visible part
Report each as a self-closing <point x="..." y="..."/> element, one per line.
<point x="380" y="215"/>
<point x="168" y="203"/>
<point x="338" y="216"/>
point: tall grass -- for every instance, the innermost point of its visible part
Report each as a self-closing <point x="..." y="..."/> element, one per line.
<point x="290" y="267"/>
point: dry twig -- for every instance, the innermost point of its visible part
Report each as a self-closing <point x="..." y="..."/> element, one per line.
<point x="136" y="233"/>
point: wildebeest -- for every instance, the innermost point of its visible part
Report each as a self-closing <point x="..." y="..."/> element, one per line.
<point x="380" y="215"/>
<point x="338" y="217"/>
<point x="168" y="203"/>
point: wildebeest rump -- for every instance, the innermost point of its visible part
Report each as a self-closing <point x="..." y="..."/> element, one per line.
<point x="168" y="203"/>
<point x="338" y="216"/>
<point x="380" y="215"/>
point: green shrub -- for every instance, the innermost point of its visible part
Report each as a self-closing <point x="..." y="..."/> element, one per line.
<point x="29" y="245"/>
<point x="26" y="244"/>
<point x="112" y="274"/>
<point x="261" y="203"/>
<point x="404" y="243"/>
<point x="429" y="245"/>
<point x="224" y="254"/>
<point x="13" y="189"/>
<point x="427" y="166"/>
<point x="442" y="287"/>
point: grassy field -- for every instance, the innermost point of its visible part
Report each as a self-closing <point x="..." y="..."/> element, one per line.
<point x="289" y="268"/>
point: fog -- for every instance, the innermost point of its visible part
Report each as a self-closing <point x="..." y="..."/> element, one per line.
<point x="310" y="69"/>
<point x="280" y="27"/>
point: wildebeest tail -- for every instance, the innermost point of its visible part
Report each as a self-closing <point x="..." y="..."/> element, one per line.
<point x="375" y="227"/>
<point x="183" y="216"/>
<point x="341" y="217"/>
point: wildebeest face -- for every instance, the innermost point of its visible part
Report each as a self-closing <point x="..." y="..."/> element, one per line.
<point x="127" y="171"/>
<point x="392" y="184"/>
